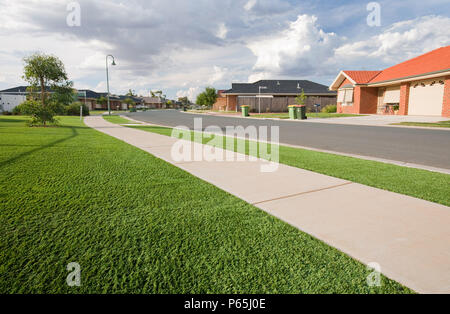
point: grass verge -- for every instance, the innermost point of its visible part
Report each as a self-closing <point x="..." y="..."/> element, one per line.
<point x="118" y="120"/>
<point x="423" y="184"/>
<point x="137" y="224"/>
<point x="441" y="124"/>
<point x="319" y="115"/>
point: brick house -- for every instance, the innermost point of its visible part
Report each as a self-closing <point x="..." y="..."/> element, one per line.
<point x="274" y="95"/>
<point x="420" y="86"/>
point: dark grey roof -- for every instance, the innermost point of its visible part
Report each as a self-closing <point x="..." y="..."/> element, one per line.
<point x="21" y="90"/>
<point x="280" y="87"/>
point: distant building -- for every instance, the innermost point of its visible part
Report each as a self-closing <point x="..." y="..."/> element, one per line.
<point x="11" y="98"/>
<point x="274" y="95"/>
<point x="153" y="102"/>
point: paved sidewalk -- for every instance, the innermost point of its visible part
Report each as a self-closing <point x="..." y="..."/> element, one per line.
<point x="409" y="238"/>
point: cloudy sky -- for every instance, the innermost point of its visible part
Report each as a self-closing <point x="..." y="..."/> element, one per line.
<point x="181" y="46"/>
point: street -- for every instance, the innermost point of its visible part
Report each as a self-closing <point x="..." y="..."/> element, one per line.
<point x="418" y="146"/>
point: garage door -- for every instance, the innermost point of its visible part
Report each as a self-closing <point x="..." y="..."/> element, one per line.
<point x="426" y="98"/>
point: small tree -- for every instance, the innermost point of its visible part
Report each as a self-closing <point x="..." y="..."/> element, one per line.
<point x="102" y="100"/>
<point x="130" y="93"/>
<point x="301" y="99"/>
<point x="44" y="70"/>
<point x="184" y="100"/>
<point x="207" y="98"/>
<point x="129" y="101"/>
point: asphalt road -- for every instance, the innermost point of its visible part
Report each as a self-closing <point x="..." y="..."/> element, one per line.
<point x="419" y="146"/>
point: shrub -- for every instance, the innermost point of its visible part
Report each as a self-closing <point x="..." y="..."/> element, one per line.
<point x="6" y="113"/>
<point x="16" y="111"/>
<point x="330" y="109"/>
<point x="40" y="115"/>
<point x="74" y="109"/>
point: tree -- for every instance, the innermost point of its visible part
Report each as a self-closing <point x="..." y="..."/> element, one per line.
<point x="301" y="99"/>
<point x="207" y="98"/>
<point x="184" y="100"/>
<point x="62" y="97"/>
<point x="131" y="93"/>
<point x="130" y="102"/>
<point x="44" y="70"/>
<point x="102" y="100"/>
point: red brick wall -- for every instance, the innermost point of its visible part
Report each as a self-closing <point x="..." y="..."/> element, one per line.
<point x="220" y="104"/>
<point x="368" y="100"/>
<point x="404" y="99"/>
<point x="231" y="103"/>
<point x="446" y="101"/>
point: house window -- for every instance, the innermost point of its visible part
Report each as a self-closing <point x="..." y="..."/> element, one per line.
<point x="345" y="97"/>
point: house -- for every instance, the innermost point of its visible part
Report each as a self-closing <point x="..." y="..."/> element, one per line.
<point x="274" y="95"/>
<point x="90" y="99"/>
<point x="420" y="86"/>
<point x="11" y="98"/>
<point x="153" y="102"/>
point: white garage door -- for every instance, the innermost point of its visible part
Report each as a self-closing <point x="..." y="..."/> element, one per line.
<point x="426" y="98"/>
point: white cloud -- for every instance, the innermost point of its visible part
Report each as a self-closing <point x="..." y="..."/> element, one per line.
<point x="191" y="93"/>
<point x="222" y="31"/>
<point x="249" y="5"/>
<point x="294" y="50"/>
<point x="401" y="41"/>
<point x="304" y="50"/>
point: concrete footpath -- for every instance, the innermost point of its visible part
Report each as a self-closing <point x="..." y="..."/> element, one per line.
<point x="409" y="238"/>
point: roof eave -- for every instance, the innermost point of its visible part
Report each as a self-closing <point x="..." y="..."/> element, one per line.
<point x="411" y="78"/>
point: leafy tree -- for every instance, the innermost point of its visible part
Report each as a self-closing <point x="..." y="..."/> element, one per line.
<point x="130" y="102"/>
<point x="102" y="100"/>
<point x="301" y="99"/>
<point x="44" y="70"/>
<point x="131" y="93"/>
<point x="184" y="100"/>
<point x="62" y="97"/>
<point x="208" y="97"/>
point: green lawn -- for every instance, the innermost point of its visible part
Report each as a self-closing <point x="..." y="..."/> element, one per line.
<point x="441" y="124"/>
<point x="118" y="120"/>
<point x="321" y="115"/>
<point x="427" y="185"/>
<point x="137" y="224"/>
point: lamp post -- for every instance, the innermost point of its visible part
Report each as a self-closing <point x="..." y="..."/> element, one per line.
<point x="259" y="98"/>
<point x="107" y="79"/>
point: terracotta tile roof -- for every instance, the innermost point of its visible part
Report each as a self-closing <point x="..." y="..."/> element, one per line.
<point x="436" y="60"/>
<point x="362" y="77"/>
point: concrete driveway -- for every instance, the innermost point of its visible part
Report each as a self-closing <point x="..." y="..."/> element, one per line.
<point x="378" y="120"/>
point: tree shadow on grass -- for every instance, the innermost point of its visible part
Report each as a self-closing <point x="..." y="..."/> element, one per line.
<point x="22" y="120"/>
<point x="15" y="158"/>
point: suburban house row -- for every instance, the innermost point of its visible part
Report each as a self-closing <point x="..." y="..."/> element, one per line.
<point x="10" y="98"/>
<point x="420" y="86"/>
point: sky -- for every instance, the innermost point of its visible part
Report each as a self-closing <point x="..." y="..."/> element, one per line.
<point x="181" y="47"/>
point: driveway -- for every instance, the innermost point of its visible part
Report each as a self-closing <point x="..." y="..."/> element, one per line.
<point x="413" y="146"/>
<point x="377" y="120"/>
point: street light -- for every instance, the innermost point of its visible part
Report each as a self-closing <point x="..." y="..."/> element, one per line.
<point x="107" y="79"/>
<point x="261" y="87"/>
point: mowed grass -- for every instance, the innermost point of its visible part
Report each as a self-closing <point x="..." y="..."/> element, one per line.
<point x="118" y="120"/>
<point x="441" y="124"/>
<point x="427" y="185"/>
<point x="136" y="224"/>
<point x="318" y="115"/>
